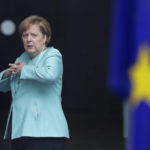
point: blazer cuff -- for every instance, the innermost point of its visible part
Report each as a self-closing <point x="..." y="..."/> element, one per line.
<point x="28" y="72"/>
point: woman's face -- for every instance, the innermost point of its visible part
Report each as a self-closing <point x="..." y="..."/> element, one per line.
<point x="33" y="40"/>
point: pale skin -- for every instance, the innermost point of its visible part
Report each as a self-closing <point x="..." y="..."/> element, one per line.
<point x="33" y="42"/>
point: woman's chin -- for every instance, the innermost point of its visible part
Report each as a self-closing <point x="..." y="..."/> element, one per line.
<point x="30" y="51"/>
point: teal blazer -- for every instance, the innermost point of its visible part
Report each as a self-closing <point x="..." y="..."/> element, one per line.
<point x="36" y="108"/>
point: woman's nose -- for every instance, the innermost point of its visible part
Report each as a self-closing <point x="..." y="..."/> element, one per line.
<point x="29" y="38"/>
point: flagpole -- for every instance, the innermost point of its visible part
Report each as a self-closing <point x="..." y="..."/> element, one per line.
<point x="125" y="119"/>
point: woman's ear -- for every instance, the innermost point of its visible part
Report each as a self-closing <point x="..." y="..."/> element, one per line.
<point x="44" y="39"/>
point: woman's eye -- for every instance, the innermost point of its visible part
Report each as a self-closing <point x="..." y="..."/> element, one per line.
<point x="34" y="35"/>
<point x="24" y="35"/>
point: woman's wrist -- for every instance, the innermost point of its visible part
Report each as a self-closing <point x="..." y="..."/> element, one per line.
<point x="6" y="75"/>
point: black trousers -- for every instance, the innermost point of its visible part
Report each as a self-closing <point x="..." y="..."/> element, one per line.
<point x="30" y="143"/>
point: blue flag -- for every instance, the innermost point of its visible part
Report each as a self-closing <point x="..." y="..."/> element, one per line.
<point x="129" y="69"/>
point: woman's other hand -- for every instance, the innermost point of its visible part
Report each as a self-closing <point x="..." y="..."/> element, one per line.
<point x="16" y="68"/>
<point x="7" y="73"/>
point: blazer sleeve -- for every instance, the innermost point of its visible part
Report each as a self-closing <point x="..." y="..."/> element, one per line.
<point x="49" y="72"/>
<point x="4" y="83"/>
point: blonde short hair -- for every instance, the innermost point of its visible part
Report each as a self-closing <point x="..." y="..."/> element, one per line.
<point x="41" y="22"/>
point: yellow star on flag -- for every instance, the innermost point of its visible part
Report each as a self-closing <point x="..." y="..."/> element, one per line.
<point x="139" y="75"/>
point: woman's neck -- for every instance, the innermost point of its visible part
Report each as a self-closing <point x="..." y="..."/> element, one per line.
<point x="35" y="54"/>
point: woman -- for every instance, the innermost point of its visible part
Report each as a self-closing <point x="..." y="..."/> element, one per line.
<point x="36" y="120"/>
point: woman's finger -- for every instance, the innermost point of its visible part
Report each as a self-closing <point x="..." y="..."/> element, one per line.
<point x="14" y="66"/>
<point x="17" y="63"/>
<point x="14" y="72"/>
<point x="11" y="65"/>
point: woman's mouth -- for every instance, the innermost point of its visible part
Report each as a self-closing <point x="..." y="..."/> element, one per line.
<point x="29" y="46"/>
